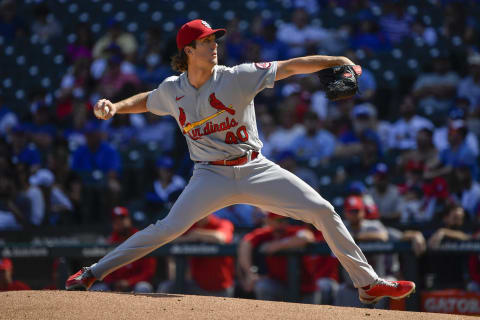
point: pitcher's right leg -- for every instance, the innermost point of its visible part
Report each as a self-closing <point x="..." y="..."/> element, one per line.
<point x="276" y="189"/>
<point x="206" y="192"/>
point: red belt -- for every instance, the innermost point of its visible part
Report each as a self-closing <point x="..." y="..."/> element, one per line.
<point x="234" y="162"/>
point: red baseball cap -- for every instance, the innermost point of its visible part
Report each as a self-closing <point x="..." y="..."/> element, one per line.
<point x="196" y="29"/>
<point x="120" y="212"/>
<point x="354" y="203"/>
<point x="5" y="264"/>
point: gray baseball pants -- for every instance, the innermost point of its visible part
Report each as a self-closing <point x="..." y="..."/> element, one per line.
<point x="260" y="183"/>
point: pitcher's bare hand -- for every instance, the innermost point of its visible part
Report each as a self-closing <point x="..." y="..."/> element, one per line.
<point x="104" y="109"/>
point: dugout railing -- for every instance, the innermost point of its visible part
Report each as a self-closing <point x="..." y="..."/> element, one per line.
<point x="180" y="252"/>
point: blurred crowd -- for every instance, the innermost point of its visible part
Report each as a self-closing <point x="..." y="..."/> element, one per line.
<point x="398" y="163"/>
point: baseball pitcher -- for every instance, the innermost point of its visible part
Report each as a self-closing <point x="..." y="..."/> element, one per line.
<point x="214" y="108"/>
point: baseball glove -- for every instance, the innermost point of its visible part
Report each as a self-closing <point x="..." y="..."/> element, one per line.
<point x="340" y="82"/>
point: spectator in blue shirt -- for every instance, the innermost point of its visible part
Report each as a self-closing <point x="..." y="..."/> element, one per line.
<point x="315" y="144"/>
<point x="271" y="48"/>
<point x="158" y="130"/>
<point x="167" y="187"/>
<point x="364" y="126"/>
<point x="466" y="190"/>
<point x="96" y="154"/>
<point x="395" y="21"/>
<point x="22" y="150"/>
<point x="8" y="119"/>
<point x="42" y="129"/>
<point x="150" y="68"/>
<point x="13" y="206"/>
<point x="98" y="164"/>
<point x="459" y="153"/>
<point x="288" y="161"/>
<point x="368" y="37"/>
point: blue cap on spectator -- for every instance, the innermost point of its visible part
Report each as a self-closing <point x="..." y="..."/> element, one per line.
<point x="365" y="110"/>
<point x="357" y="187"/>
<point x="456" y="114"/>
<point x="164" y="162"/>
<point x="381" y="168"/>
<point x="43" y="178"/>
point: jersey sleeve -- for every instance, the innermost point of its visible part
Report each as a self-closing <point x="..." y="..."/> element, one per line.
<point x="254" y="77"/>
<point x="158" y="100"/>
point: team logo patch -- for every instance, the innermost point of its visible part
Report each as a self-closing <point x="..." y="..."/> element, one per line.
<point x="205" y="23"/>
<point x="263" y="65"/>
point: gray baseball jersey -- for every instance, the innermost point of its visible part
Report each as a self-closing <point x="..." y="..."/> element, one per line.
<point x="217" y="119"/>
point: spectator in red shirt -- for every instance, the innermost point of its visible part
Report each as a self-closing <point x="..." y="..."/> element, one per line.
<point x="277" y="235"/>
<point x="210" y="276"/>
<point x="135" y="276"/>
<point x="6" y="281"/>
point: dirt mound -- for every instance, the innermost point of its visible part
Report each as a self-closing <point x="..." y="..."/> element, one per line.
<point x="67" y="305"/>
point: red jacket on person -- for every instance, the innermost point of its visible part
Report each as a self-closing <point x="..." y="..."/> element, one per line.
<point x="214" y="273"/>
<point x="139" y="270"/>
<point x="277" y="266"/>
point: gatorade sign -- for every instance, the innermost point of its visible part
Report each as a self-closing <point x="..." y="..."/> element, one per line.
<point x="451" y="301"/>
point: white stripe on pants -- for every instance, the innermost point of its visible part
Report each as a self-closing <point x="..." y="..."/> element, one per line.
<point x="261" y="183"/>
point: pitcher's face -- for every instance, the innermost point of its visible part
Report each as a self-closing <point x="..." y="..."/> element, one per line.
<point x="204" y="53"/>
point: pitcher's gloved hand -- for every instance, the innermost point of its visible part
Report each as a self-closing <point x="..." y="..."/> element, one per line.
<point x="340" y="82"/>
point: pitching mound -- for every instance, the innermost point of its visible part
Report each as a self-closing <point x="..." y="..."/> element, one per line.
<point x="67" y="305"/>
